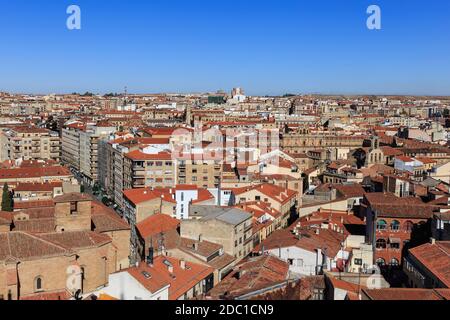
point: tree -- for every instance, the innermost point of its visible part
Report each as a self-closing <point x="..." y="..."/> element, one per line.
<point x="446" y="113"/>
<point x="7" y="204"/>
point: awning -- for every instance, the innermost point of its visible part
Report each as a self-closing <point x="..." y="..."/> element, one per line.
<point x="395" y="240"/>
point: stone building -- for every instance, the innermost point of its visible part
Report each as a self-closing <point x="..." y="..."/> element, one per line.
<point x="55" y="251"/>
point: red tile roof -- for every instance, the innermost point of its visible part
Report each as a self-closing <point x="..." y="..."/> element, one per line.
<point x="23" y="173"/>
<point x="138" y="155"/>
<point x="254" y="274"/>
<point x="180" y="280"/>
<point x="137" y="196"/>
<point x="407" y="294"/>
<point x="156" y="225"/>
<point x="435" y="258"/>
<point x="45" y="186"/>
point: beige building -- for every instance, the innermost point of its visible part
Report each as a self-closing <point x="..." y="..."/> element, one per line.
<point x="229" y="227"/>
<point x="204" y="173"/>
<point x="142" y="170"/>
<point x="80" y="148"/>
<point x="31" y="144"/>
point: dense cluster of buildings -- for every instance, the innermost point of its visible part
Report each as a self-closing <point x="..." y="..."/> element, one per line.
<point x="224" y="196"/>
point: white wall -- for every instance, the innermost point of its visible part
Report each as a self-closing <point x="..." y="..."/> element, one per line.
<point x="183" y="198"/>
<point x="125" y="287"/>
<point x="305" y="262"/>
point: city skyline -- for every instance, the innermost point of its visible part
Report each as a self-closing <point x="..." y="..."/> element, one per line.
<point x="270" y="49"/>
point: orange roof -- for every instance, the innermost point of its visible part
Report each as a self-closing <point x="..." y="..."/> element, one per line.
<point x="22" y="173"/>
<point x="138" y="155"/>
<point x="426" y="160"/>
<point x="137" y="196"/>
<point x="157" y="224"/>
<point x="435" y="258"/>
<point x="203" y="195"/>
<point x="47" y="186"/>
<point x="279" y="194"/>
<point x="179" y="280"/>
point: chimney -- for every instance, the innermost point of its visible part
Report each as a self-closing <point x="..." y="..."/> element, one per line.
<point x="433" y="241"/>
<point x="170" y="269"/>
<point x="150" y="257"/>
<point x="200" y="238"/>
<point x="317" y="231"/>
<point x="195" y="246"/>
<point x="183" y="264"/>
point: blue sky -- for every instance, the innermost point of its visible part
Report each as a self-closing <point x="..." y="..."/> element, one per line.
<point x="264" y="46"/>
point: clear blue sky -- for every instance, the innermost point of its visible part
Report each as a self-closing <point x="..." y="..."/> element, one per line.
<point x="264" y="46"/>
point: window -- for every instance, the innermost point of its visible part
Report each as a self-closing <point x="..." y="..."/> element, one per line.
<point x="381" y="262"/>
<point x="408" y="226"/>
<point x="394" y="262"/>
<point x="38" y="284"/>
<point x="381" y="225"/>
<point x="395" y="225"/>
<point x="381" y="244"/>
<point x="73" y="207"/>
<point x="182" y="196"/>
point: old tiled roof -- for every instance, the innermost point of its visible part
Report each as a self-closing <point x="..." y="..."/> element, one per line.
<point x="21" y="245"/>
<point x="203" y="248"/>
<point x="309" y="240"/>
<point x="407" y="294"/>
<point x="436" y="258"/>
<point x="44" y="225"/>
<point x="388" y="205"/>
<point x="137" y="196"/>
<point x="138" y="155"/>
<point x="254" y="274"/>
<point x="5" y="217"/>
<point x="157" y="224"/>
<point x="404" y="211"/>
<point x="277" y="193"/>
<point x="75" y="196"/>
<point x="350" y="190"/>
<point x="106" y="219"/>
<point x="77" y="239"/>
<point x="18" y="205"/>
<point x="50" y="296"/>
<point x="180" y="280"/>
<point x="48" y="186"/>
<point x="34" y="172"/>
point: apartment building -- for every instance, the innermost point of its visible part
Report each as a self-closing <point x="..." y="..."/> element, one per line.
<point x="80" y="148"/>
<point x="70" y="144"/>
<point x="30" y="143"/>
<point x="89" y="145"/>
<point x="281" y="199"/>
<point x="204" y="172"/>
<point x="142" y="203"/>
<point x="229" y="227"/>
<point x="143" y="169"/>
